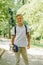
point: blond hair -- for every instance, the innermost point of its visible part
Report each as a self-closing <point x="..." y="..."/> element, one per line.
<point x="19" y="15"/>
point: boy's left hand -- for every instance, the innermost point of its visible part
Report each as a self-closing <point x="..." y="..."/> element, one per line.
<point x="28" y="47"/>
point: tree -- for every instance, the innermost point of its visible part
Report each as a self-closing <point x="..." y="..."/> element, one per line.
<point x="33" y="15"/>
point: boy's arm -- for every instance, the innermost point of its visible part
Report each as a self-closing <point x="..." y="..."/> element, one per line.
<point x="28" y="39"/>
<point x="12" y="39"/>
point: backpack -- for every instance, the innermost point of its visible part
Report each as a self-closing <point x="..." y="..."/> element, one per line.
<point x="25" y="28"/>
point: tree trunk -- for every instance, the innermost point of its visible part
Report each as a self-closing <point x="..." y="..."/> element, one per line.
<point x="23" y="2"/>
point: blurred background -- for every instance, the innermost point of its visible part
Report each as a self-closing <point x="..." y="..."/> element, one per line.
<point x="32" y="11"/>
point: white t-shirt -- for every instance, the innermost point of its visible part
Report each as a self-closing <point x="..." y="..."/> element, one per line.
<point x="20" y="39"/>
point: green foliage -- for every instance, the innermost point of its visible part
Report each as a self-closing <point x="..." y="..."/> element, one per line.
<point x="33" y="14"/>
<point x="32" y="11"/>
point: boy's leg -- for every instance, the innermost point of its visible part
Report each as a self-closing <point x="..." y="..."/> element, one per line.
<point x="24" y="55"/>
<point x="17" y="55"/>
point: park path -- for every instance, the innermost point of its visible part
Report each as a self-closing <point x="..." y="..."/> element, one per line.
<point x="35" y="55"/>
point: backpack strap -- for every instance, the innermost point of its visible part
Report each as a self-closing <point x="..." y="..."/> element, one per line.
<point x="26" y="28"/>
<point x="15" y="30"/>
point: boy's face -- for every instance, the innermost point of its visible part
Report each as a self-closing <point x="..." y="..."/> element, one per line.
<point x="19" y="19"/>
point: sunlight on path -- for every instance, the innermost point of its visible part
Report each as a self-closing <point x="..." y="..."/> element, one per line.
<point x="31" y="51"/>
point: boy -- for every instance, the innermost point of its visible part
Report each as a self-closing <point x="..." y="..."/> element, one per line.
<point x="20" y="39"/>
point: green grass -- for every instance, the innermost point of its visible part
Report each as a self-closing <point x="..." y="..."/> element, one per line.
<point x="37" y="44"/>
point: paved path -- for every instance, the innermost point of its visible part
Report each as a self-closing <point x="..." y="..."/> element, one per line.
<point x="35" y="55"/>
<point x="9" y="59"/>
